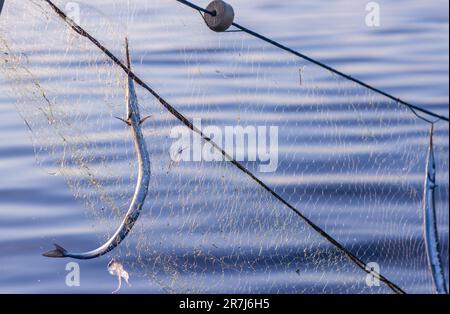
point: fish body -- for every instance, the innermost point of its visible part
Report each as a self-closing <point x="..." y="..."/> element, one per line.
<point x="134" y="121"/>
<point x="430" y="222"/>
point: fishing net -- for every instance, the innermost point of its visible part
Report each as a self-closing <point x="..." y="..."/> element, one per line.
<point x="350" y="160"/>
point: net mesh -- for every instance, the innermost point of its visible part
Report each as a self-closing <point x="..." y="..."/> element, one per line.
<point x="348" y="159"/>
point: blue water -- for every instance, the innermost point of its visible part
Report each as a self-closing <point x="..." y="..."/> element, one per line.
<point x="360" y="178"/>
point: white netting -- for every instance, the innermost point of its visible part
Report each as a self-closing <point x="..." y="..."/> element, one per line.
<point x="350" y="160"/>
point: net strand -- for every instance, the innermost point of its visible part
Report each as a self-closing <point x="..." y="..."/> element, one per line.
<point x="358" y="262"/>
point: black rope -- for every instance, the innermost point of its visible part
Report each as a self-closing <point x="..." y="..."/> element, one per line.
<point x="189" y="124"/>
<point x="323" y="65"/>
<point x="423" y="118"/>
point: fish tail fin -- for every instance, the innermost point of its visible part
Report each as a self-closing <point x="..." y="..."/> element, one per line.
<point x="58" y="252"/>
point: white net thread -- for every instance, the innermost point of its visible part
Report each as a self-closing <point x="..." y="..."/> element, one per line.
<point x="345" y="154"/>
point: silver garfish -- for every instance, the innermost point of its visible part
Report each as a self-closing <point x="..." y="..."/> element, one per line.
<point x="430" y="223"/>
<point x="134" y="121"/>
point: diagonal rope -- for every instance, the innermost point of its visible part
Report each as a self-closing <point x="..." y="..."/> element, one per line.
<point x="323" y="65"/>
<point x="358" y="262"/>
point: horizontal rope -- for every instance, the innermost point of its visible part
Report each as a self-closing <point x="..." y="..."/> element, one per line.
<point x="323" y="65"/>
<point x="358" y="262"/>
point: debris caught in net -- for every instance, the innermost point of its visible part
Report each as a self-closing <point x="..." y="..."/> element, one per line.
<point x="117" y="269"/>
<point x="350" y="160"/>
